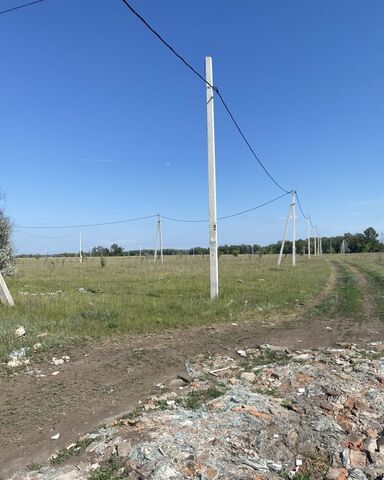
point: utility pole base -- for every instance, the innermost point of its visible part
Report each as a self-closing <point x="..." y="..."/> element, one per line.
<point x="5" y="295"/>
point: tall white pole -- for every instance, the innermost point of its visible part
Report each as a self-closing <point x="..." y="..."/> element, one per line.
<point x="285" y="235"/>
<point x="309" y="237"/>
<point x="294" y="228"/>
<point x="213" y="256"/>
<point x="315" y="240"/>
<point x="161" y="241"/>
<point x="80" y="250"/>
<point x="157" y="239"/>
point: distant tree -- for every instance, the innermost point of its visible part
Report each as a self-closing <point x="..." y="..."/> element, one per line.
<point x="100" y="251"/>
<point x="116" y="250"/>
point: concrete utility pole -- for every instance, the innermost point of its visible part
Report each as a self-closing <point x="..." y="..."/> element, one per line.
<point x="294" y="229"/>
<point x="309" y="236"/>
<point x="5" y="295"/>
<point x="315" y="240"/>
<point x="80" y="250"/>
<point x="213" y="256"/>
<point x="285" y="235"/>
<point x="159" y="240"/>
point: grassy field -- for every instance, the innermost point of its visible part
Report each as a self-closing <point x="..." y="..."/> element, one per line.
<point x="74" y="303"/>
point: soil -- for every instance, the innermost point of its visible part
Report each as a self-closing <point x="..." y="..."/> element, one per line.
<point x="105" y="380"/>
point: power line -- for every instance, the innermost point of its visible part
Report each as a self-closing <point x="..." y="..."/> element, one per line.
<point x="307" y="217"/>
<point x="90" y="224"/>
<point x="227" y="216"/>
<point x="188" y="65"/>
<point x="21" y="6"/>
<point x="46" y="236"/>
<point x="254" y="208"/>
<point x="18" y="227"/>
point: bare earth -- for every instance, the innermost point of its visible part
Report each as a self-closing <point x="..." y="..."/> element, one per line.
<point x="108" y="379"/>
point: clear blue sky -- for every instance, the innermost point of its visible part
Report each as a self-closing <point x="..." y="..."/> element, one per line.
<point x="100" y="122"/>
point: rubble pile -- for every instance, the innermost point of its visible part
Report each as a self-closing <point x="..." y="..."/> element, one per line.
<point x="265" y="413"/>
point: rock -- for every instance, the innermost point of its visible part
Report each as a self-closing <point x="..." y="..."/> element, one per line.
<point x="20" y="331"/>
<point x="377" y="458"/>
<point x="248" y="376"/>
<point x="37" y="346"/>
<point x="370" y="445"/>
<point x="252" y="411"/>
<point x="356" y="474"/>
<point x="357" y="458"/>
<point x="336" y="474"/>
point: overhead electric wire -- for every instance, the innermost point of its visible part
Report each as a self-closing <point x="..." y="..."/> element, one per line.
<point x="307" y="217"/>
<point x="89" y="224"/>
<point x="182" y="220"/>
<point x="188" y="65"/>
<point x="46" y="236"/>
<point x="20" y="6"/>
<point x="18" y="227"/>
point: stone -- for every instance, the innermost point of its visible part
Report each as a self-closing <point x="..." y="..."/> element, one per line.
<point x="336" y="474"/>
<point x="370" y="445"/>
<point x="377" y="458"/>
<point x="20" y="332"/>
<point x="357" y="458"/>
<point x="252" y="411"/>
<point x="248" y="376"/>
<point x="123" y="449"/>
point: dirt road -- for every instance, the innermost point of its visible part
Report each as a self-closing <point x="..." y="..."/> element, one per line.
<point x="108" y="379"/>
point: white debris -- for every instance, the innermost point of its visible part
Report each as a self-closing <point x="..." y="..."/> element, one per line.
<point x="37" y="346"/>
<point x="242" y="353"/>
<point x="55" y="373"/>
<point x="56" y="436"/>
<point x="57" y="361"/>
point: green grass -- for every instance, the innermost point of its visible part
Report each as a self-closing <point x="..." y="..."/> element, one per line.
<point x="135" y="295"/>
<point x="108" y="471"/>
<point x="195" y="399"/>
<point x="346" y="298"/>
<point x="66" y="454"/>
<point x="350" y="297"/>
<point x="372" y="266"/>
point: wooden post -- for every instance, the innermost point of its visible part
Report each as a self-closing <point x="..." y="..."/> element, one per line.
<point x="213" y="255"/>
<point x="309" y="236"/>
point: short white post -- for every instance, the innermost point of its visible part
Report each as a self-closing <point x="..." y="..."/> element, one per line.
<point x="285" y="236"/>
<point x="294" y="228"/>
<point x="80" y="250"/>
<point x="213" y="255"/>
<point x="309" y="237"/>
<point x="5" y="295"/>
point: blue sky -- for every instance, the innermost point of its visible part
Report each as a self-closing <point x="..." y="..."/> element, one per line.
<point x="99" y="122"/>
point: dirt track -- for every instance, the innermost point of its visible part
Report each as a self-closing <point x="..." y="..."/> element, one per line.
<point x="114" y="376"/>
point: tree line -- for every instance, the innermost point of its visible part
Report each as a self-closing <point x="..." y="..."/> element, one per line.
<point x="367" y="241"/>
